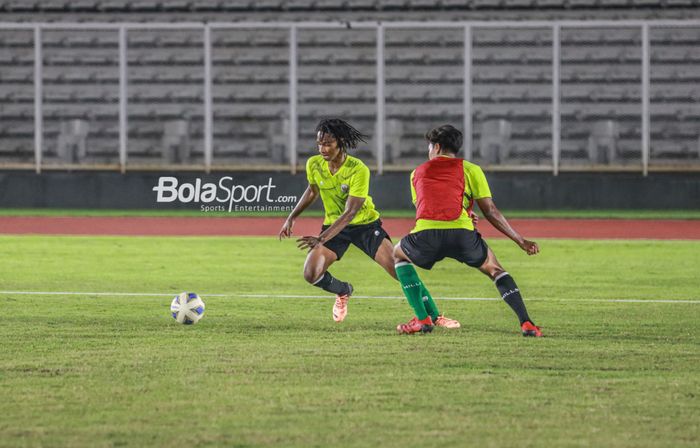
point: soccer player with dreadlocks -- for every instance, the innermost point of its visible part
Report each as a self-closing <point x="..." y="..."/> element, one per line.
<point x="342" y="183"/>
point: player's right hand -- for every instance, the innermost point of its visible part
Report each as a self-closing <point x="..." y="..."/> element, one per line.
<point x="530" y="247"/>
<point x="286" y="230"/>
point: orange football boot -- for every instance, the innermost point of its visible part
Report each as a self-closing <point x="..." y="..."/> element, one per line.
<point x="340" y="308"/>
<point x="446" y="322"/>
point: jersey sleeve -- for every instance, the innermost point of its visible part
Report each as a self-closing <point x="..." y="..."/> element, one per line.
<point x="413" y="189"/>
<point x="309" y="175"/>
<point x="359" y="182"/>
<point x="476" y="185"/>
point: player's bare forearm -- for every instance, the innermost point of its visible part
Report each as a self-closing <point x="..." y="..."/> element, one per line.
<point x="496" y="218"/>
<point x="352" y="206"/>
<point x="336" y="227"/>
<point x="308" y="198"/>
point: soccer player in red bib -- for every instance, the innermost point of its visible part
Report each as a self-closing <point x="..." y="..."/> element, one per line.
<point x="444" y="190"/>
<point x="342" y="183"/>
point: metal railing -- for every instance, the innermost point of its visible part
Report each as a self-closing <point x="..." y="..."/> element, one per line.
<point x="293" y="28"/>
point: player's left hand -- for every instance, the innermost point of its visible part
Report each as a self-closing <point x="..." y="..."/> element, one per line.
<point x="308" y="242"/>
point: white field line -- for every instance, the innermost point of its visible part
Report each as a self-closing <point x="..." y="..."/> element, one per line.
<point x="297" y="296"/>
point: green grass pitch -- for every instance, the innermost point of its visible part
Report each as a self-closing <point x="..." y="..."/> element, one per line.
<point x="117" y="370"/>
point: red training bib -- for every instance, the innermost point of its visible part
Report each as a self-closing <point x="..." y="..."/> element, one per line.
<point x="439" y="185"/>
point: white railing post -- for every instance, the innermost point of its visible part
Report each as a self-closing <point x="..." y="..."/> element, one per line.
<point x="293" y="119"/>
<point x="208" y="113"/>
<point x="467" y="119"/>
<point x="123" y="99"/>
<point x="38" y="96"/>
<point x="380" y="99"/>
<point x="645" y="99"/>
<point x="556" y="98"/>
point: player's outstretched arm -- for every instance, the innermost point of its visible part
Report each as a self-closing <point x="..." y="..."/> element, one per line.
<point x="308" y="198"/>
<point x="352" y="206"/>
<point x="496" y="218"/>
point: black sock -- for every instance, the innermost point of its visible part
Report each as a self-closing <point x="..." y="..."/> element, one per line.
<point x="511" y="294"/>
<point x="333" y="285"/>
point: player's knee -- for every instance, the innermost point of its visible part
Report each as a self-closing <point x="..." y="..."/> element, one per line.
<point x="311" y="276"/>
<point x="491" y="269"/>
<point x="398" y="253"/>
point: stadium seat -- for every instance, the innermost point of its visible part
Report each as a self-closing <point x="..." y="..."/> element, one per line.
<point x="603" y="142"/>
<point x="672" y="152"/>
<point x="237" y="151"/>
<point x="511" y="55"/>
<point x="494" y="145"/>
<point x="12" y="127"/>
<point x="176" y="142"/>
<point x="393" y="135"/>
<point x="17" y="150"/>
<point x="71" y="144"/>
<point x="600" y="55"/>
<point x="314" y="38"/>
<point x="16" y="39"/>
<point x="278" y="140"/>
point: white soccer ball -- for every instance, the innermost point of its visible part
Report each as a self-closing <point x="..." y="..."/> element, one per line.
<point x="187" y="308"/>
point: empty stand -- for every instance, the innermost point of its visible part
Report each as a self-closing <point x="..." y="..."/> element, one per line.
<point x="16" y="96"/>
<point x="80" y="95"/>
<point x="511" y="89"/>
<point x="165" y="97"/>
<point x="250" y="90"/>
<point x="601" y="96"/>
<point x="337" y="78"/>
<point x="424" y="86"/>
<point x="675" y="96"/>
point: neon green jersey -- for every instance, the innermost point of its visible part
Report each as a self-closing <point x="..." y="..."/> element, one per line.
<point x="352" y="179"/>
<point x="475" y="187"/>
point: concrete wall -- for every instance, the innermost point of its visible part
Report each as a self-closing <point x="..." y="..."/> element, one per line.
<point x="98" y="190"/>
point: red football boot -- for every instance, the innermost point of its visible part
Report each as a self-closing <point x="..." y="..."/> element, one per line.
<point x="530" y="329"/>
<point x="416" y="326"/>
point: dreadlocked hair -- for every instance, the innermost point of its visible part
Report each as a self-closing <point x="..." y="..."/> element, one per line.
<point x="343" y="132"/>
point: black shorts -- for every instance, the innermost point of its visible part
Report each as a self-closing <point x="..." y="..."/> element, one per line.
<point x="366" y="237"/>
<point x="427" y="247"/>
